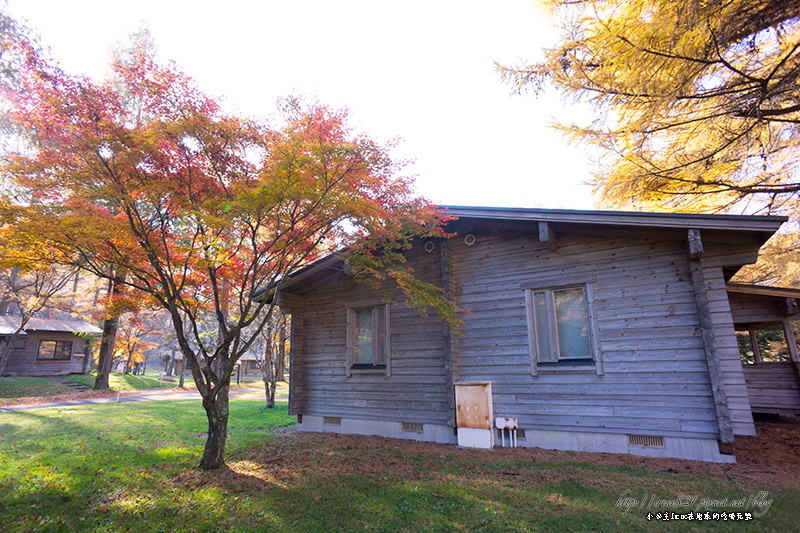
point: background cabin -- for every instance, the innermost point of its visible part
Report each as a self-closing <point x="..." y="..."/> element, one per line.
<point x="764" y="318"/>
<point x="47" y="347"/>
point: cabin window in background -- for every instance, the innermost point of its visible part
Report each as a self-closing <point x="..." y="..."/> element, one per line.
<point x="561" y="327"/>
<point x="763" y="346"/>
<point x="54" y="351"/>
<point x="368" y="339"/>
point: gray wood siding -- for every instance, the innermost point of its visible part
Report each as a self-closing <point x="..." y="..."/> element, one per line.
<point x="415" y="391"/>
<point x="721" y="251"/>
<point x="728" y="353"/>
<point x="773" y="387"/>
<point x="22" y="361"/>
<point x="656" y="379"/>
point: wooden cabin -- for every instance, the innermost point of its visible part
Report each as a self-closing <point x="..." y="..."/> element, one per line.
<point x="772" y="374"/>
<point x="47" y="347"/>
<point x="592" y="330"/>
<point x="249" y="365"/>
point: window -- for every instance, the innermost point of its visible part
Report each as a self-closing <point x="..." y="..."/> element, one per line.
<point x="54" y="351"/>
<point x="763" y="346"/>
<point x="561" y="329"/>
<point x="368" y="339"/>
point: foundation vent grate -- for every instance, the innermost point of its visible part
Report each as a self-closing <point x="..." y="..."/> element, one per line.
<point x="414" y="427"/>
<point x="332" y="420"/>
<point x="646" y="441"/>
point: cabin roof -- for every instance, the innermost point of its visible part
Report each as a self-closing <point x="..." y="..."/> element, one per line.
<point x="622" y="218"/>
<point x="9" y="324"/>
<point x="524" y="219"/>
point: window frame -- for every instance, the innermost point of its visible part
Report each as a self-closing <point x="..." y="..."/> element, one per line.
<point x="351" y="367"/>
<point x="66" y="347"/>
<point x="584" y="365"/>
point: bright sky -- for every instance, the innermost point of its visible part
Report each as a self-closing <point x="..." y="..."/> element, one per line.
<point x="421" y="71"/>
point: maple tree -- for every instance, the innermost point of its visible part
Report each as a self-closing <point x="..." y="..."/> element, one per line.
<point x="132" y="336"/>
<point x="198" y="208"/>
<point x="698" y="103"/>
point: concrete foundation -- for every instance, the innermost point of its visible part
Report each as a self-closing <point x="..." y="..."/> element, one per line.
<point x="428" y="433"/>
<point x="579" y="441"/>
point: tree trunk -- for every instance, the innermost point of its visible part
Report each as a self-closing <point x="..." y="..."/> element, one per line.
<point x="281" y="367"/>
<point x="5" y="351"/>
<point x="216" y="406"/>
<point x="106" y="355"/>
<point x="170" y="369"/>
<point x="267" y="370"/>
<point x="272" y="384"/>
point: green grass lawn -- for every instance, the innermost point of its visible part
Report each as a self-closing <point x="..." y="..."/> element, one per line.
<point x="131" y="382"/>
<point x="131" y="467"/>
<point x="30" y="387"/>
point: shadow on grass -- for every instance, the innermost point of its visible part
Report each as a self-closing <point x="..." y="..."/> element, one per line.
<point x="59" y="472"/>
<point x="91" y="467"/>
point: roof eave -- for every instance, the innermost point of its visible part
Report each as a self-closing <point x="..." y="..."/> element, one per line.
<point x="763" y="290"/>
<point x="749" y="223"/>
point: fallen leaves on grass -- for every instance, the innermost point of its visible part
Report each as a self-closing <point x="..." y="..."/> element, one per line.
<point x="294" y="457"/>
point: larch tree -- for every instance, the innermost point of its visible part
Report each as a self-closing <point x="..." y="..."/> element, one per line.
<point x="698" y="105"/>
<point x="200" y="209"/>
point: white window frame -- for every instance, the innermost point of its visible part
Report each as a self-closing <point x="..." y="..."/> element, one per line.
<point x="565" y="364"/>
<point x="352" y="323"/>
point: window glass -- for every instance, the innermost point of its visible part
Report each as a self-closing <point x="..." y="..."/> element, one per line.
<point x="63" y="350"/>
<point x="46" y="349"/>
<point x="573" y="328"/>
<point x="54" y="350"/>
<point x="364" y="337"/>
<point x="368" y="339"/>
<point x="770" y="346"/>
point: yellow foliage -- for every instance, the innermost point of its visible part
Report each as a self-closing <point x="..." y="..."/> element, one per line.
<point x="698" y="103"/>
